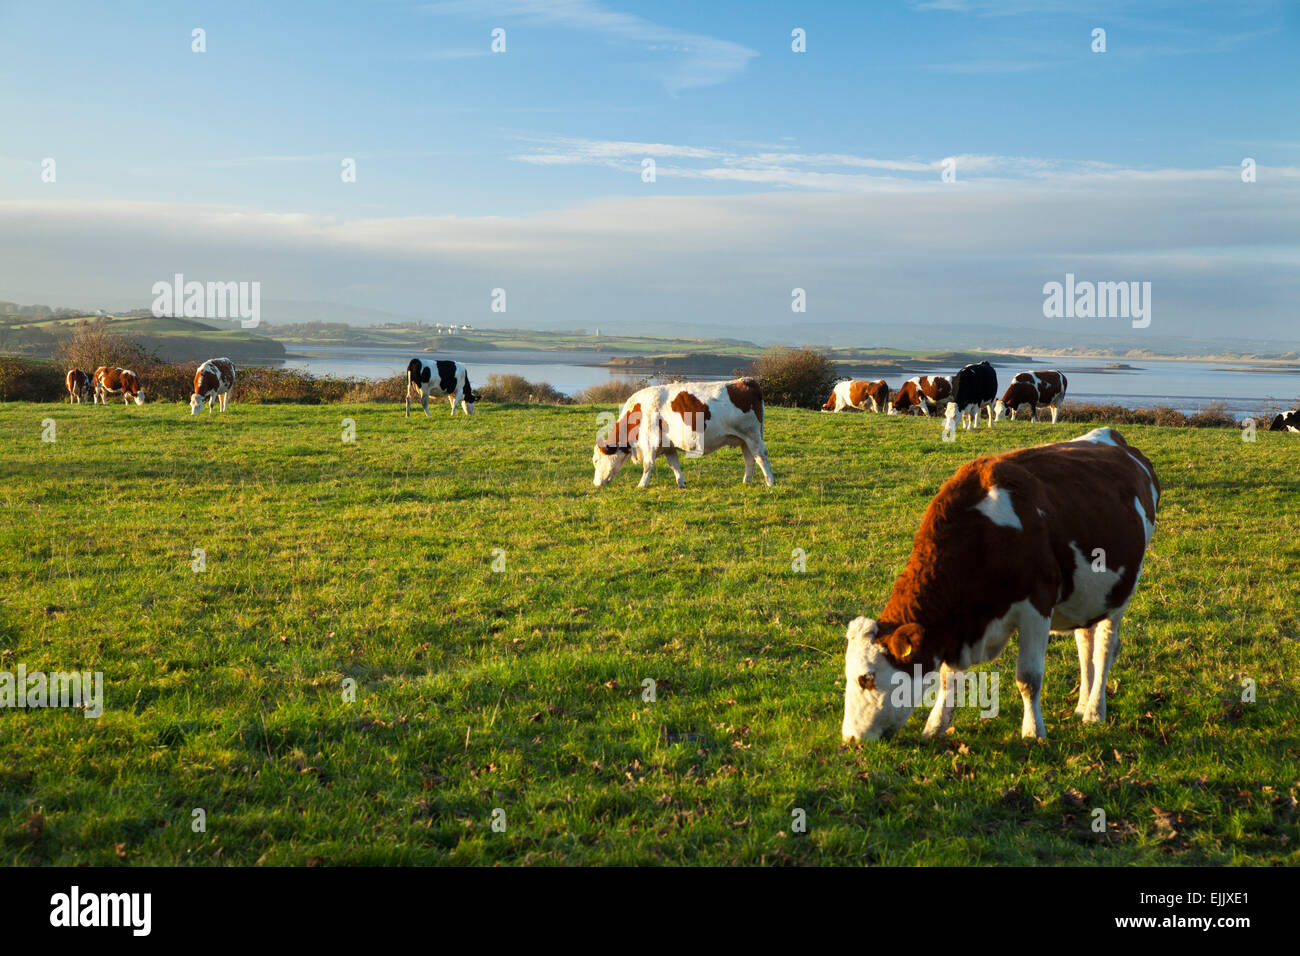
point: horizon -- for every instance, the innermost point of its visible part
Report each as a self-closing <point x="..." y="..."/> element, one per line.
<point x="1169" y="159"/>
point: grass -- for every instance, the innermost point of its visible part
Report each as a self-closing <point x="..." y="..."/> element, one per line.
<point x="522" y="690"/>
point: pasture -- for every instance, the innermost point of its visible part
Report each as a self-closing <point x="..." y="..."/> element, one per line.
<point x="521" y="689"/>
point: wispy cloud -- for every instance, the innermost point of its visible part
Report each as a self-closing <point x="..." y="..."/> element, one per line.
<point x="842" y="172"/>
<point x="693" y="59"/>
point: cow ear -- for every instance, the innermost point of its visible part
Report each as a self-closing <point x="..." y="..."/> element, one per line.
<point x="904" y="641"/>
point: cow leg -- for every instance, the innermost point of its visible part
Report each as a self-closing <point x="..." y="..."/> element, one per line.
<point x="749" y="464"/>
<point x="1056" y="410"/>
<point x="424" y="403"/>
<point x="1083" y="640"/>
<point x="760" y="454"/>
<point x="940" y="718"/>
<point x="647" y="464"/>
<point x="452" y="399"/>
<point x="670" y="456"/>
<point x="1030" y="654"/>
<point x="1105" y="647"/>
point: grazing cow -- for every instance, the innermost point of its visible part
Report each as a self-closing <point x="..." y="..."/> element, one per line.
<point x="213" y="383"/>
<point x="1036" y="540"/>
<point x="697" y="417"/>
<point x="1288" y="422"/>
<point x="862" y="396"/>
<point x="974" y="389"/>
<point x="79" y="386"/>
<point x="1032" y="389"/>
<point x="113" y="381"/>
<point x="922" y="392"/>
<point x="441" y="378"/>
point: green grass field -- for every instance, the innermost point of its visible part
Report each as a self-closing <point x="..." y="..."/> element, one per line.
<point x="521" y="690"/>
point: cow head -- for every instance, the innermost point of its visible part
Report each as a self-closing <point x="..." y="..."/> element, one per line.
<point x="879" y="695"/>
<point x="608" y="461"/>
<point x="1002" y="410"/>
<point x="139" y="396"/>
<point x="196" y="403"/>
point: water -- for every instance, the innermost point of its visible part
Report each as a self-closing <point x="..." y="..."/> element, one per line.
<point x="1188" y="386"/>
<point x="569" y="372"/>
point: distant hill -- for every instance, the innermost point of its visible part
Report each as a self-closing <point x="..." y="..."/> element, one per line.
<point x="173" y="339"/>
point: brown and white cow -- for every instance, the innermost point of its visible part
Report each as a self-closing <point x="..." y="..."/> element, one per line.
<point x="79" y="386"/>
<point x="117" y="381"/>
<point x="1037" y="540"/>
<point x="858" y="395"/>
<point x="1032" y="390"/>
<point x="695" y="417"/>
<point x="213" y="382"/>
<point x="924" y="392"/>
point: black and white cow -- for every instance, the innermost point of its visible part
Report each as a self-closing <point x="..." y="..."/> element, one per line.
<point x="441" y="378"/>
<point x="1287" y="422"/>
<point x="974" y="390"/>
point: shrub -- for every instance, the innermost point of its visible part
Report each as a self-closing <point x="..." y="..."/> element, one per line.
<point x="391" y="389"/>
<point x="801" y="378"/>
<point x="93" y="344"/>
<point x="168" y="382"/>
<point x="516" y="388"/>
<point x="613" y="392"/>
<point x="1214" y="415"/>
<point x="31" y="380"/>
<point x="261" y="385"/>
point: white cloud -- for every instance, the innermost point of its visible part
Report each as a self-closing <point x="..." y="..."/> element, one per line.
<point x="1221" y="254"/>
<point x="694" y="59"/>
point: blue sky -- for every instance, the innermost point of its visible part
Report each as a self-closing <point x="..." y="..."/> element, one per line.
<point x="523" y="168"/>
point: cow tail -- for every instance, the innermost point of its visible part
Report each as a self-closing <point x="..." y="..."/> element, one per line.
<point x="408" y="391"/>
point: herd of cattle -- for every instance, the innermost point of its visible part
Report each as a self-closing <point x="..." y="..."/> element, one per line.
<point x="1047" y="510"/>
<point x="213" y="382"/>
<point x="972" y="391"/>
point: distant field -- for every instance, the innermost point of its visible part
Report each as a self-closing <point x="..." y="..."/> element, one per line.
<point x="172" y="339"/>
<point x="522" y="690"/>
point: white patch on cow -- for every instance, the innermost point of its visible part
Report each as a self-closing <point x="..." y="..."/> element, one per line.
<point x="994" y="639"/>
<point x="1103" y="436"/>
<point x="1090" y="597"/>
<point x="1148" y="526"/>
<point x="997" y="507"/>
